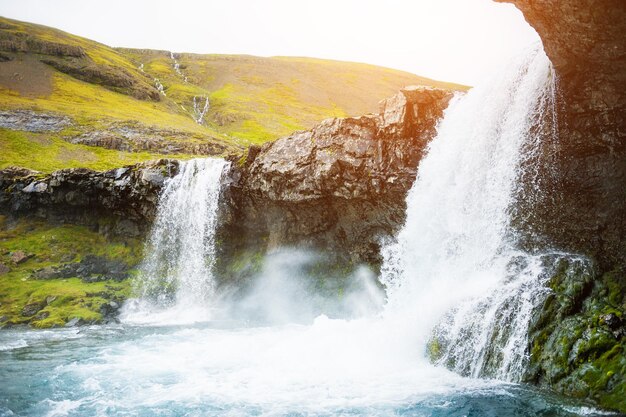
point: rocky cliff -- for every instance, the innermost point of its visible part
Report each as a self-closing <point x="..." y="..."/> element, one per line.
<point x="119" y="201"/>
<point x="339" y="187"/>
<point x="583" y="209"/>
<point x="578" y="338"/>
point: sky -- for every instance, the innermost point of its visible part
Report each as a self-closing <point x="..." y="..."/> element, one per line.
<point x="449" y="40"/>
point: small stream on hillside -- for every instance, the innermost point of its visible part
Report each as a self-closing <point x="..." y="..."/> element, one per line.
<point x="453" y="277"/>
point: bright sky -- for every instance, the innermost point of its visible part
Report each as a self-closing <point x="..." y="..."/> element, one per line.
<point x="450" y="40"/>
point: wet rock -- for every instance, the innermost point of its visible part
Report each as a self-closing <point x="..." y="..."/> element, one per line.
<point x="32" y="309"/>
<point x="75" y="322"/>
<point x="42" y="315"/>
<point x="91" y="268"/>
<point x="109" y="309"/>
<point x="580" y="207"/>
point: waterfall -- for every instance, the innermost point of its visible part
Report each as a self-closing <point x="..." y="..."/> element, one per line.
<point x="198" y="110"/>
<point x="177" y="68"/>
<point x="454" y="266"/>
<point x="180" y="252"/>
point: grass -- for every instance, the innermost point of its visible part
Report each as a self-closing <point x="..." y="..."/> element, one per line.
<point x="48" y="152"/>
<point x="253" y="99"/>
<point x="64" y="299"/>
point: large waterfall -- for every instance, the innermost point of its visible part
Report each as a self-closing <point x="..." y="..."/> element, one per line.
<point x="180" y="253"/>
<point x="454" y="266"/>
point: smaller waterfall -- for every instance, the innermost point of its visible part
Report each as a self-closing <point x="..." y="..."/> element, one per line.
<point x="200" y="110"/>
<point x="159" y="86"/>
<point x="180" y="252"/>
<point x="177" y="67"/>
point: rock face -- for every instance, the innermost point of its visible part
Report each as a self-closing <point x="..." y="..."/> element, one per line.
<point x="340" y="186"/>
<point x="584" y="208"/>
<point x="577" y="338"/>
<point x="31" y="121"/>
<point x="128" y="195"/>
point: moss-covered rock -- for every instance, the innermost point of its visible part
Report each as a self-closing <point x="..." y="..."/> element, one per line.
<point x="578" y="343"/>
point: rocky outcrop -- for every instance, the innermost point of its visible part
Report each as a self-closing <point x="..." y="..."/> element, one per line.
<point x="577" y="338"/>
<point x="31" y="121"/>
<point x="339" y="187"/>
<point x="583" y="208"/>
<point x="135" y="137"/>
<point x="119" y="201"/>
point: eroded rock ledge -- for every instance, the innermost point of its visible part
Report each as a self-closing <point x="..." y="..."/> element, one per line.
<point x="120" y="201"/>
<point x="340" y="186"/>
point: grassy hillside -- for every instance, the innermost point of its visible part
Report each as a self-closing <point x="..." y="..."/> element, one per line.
<point x="143" y="103"/>
<point x="260" y="99"/>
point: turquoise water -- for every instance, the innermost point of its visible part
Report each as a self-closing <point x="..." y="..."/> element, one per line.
<point x="214" y="369"/>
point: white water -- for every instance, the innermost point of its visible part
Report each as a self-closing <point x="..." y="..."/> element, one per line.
<point x="177" y="270"/>
<point x="200" y="110"/>
<point x="452" y="271"/>
<point x="455" y="254"/>
<point x="177" y="68"/>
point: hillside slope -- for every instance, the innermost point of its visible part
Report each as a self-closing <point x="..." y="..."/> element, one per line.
<point x="66" y="101"/>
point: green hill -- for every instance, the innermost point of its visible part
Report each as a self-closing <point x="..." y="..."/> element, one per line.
<point x="127" y="105"/>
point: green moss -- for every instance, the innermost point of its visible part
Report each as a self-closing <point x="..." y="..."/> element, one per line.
<point x="62" y="299"/>
<point x="47" y="153"/>
<point x="573" y="350"/>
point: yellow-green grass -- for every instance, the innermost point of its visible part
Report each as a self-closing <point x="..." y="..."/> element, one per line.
<point x="47" y="152"/>
<point x="54" y="245"/>
<point x="253" y="99"/>
<point x="259" y="99"/>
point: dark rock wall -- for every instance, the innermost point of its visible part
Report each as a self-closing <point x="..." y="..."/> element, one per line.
<point x="578" y="337"/>
<point x="121" y="201"/>
<point x="584" y="204"/>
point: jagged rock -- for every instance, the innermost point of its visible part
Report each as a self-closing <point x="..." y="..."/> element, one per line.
<point x="340" y="186"/>
<point x="128" y="195"/>
<point x="577" y="342"/>
<point x="33" y="121"/>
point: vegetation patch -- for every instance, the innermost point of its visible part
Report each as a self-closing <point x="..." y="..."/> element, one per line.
<point x="26" y="299"/>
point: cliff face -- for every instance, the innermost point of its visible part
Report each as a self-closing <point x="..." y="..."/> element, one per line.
<point x="340" y="186"/>
<point x="578" y="338"/>
<point x="120" y="201"/>
<point x="583" y="209"/>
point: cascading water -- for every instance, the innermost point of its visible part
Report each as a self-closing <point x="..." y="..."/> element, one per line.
<point x="180" y="252"/>
<point x="457" y="287"/>
<point x="455" y="258"/>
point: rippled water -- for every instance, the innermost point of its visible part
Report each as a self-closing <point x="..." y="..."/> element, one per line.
<point x="227" y="369"/>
